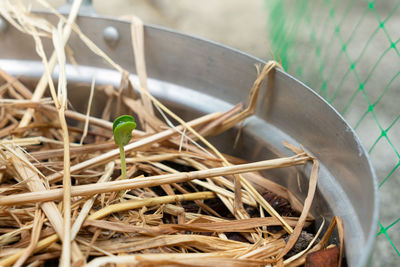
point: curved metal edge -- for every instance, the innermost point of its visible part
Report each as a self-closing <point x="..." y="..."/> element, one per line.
<point x="374" y="227"/>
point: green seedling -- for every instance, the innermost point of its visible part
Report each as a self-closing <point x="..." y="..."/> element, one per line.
<point x="122" y="130"/>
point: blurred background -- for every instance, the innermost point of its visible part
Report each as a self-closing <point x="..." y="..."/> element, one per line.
<point x="345" y="50"/>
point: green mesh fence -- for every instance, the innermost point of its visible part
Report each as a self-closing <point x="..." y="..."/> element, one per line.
<point x="348" y="51"/>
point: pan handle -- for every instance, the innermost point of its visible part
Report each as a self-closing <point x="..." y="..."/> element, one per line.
<point x="85" y="9"/>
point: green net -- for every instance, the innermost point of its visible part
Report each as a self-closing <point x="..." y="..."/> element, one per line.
<point x="348" y="51"/>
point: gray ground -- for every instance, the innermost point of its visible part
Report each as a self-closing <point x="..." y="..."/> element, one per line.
<point x="242" y="25"/>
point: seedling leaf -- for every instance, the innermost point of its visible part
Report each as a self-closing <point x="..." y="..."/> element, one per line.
<point x="122" y="129"/>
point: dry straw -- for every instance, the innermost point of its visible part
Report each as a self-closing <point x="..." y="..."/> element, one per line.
<point x="186" y="203"/>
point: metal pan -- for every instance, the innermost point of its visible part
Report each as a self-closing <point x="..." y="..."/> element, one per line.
<point x="194" y="76"/>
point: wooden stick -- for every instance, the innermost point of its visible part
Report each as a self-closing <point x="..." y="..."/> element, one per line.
<point x="85" y="190"/>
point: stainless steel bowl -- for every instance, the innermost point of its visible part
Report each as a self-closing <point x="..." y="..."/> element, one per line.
<point x="195" y="76"/>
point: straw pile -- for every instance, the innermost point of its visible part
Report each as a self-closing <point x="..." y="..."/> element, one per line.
<point x="183" y="203"/>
